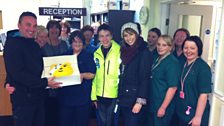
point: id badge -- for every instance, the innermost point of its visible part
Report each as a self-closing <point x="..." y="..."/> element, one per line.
<point x="188" y="111"/>
<point x="182" y="94"/>
<point x="115" y="109"/>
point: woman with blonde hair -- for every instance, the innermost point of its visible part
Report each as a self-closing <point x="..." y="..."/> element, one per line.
<point x="41" y="35"/>
<point x="165" y="78"/>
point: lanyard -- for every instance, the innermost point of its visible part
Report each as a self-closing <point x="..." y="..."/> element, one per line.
<point x="159" y="60"/>
<point x="182" y="80"/>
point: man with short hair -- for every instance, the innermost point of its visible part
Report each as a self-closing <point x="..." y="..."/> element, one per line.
<point x="105" y="84"/>
<point x="24" y="66"/>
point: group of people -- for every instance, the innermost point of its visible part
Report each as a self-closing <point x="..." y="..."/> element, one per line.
<point x="163" y="81"/>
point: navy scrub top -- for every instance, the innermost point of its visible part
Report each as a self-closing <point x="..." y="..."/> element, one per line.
<point x="79" y="94"/>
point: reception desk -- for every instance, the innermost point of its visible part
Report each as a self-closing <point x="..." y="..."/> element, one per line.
<point x="5" y="104"/>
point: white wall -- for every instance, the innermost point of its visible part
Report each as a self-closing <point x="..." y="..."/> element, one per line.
<point x="136" y="6"/>
<point x="11" y="12"/>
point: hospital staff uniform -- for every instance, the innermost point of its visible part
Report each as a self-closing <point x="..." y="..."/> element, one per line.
<point x="165" y="74"/>
<point x="198" y="81"/>
<point x="74" y="101"/>
<point x="181" y="57"/>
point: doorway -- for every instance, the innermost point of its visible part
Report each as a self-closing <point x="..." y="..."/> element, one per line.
<point x="199" y="20"/>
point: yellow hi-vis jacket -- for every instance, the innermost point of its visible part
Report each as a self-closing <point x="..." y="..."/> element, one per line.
<point x="105" y="82"/>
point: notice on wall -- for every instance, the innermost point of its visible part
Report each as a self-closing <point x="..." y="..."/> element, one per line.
<point x="63" y="68"/>
<point x="68" y="12"/>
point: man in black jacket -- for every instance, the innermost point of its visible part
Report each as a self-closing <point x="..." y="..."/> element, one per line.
<point x="24" y="66"/>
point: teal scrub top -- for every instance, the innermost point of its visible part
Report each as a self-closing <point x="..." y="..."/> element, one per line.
<point x="181" y="58"/>
<point x="155" y="54"/>
<point x="198" y="81"/>
<point x="164" y="76"/>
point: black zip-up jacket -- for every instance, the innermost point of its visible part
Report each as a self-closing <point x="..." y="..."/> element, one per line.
<point x="135" y="78"/>
<point x="24" y="66"/>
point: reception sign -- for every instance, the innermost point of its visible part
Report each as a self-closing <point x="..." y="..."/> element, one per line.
<point x="67" y="12"/>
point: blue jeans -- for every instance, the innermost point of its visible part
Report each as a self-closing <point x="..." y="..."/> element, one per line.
<point x="106" y="113"/>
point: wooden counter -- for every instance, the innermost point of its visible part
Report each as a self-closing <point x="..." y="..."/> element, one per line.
<point x="5" y="104"/>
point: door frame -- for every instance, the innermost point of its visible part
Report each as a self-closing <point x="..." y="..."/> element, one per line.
<point x="207" y="28"/>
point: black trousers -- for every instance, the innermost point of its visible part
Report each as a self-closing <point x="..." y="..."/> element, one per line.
<point x="74" y="115"/>
<point x="130" y="118"/>
<point x="29" y="115"/>
<point x="52" y="116"/>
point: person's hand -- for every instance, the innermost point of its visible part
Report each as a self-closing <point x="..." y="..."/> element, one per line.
<point x="95" y="104"/>
<point x="137" y="107"/>
<point x="82" y="76"/>
<point x="52" y="84"/>
<point x="196" y="121"/>
<point x="161" y="112"/>
<point x="10" y="89"/>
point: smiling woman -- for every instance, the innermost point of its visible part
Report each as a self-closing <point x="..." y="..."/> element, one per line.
<point x="193" y="106"/>
<point x="136" y="60"/>
<point x="74" y="101"/>
<point x="165" y="78"/>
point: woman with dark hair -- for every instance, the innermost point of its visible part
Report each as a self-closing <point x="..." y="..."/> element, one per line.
<point x="74" y="101"/>
<point x="193" y="106"/>
<point x="152" y="38"/>
<point x="179" y="36"/>
<point x="135" y="73"/>
<point x="165" y="78"/>
<point x="65" y="31"/>
<point x="88" y="33"/>
<point x="55" y="46"/>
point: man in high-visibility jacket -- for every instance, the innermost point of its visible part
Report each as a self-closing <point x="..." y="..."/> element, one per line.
<point x="105" y="84"/>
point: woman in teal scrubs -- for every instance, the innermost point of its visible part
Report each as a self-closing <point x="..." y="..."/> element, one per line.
<point x="193" y="106"/>
<point x="179" y="36"/>
<point x="165" y="74"/>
